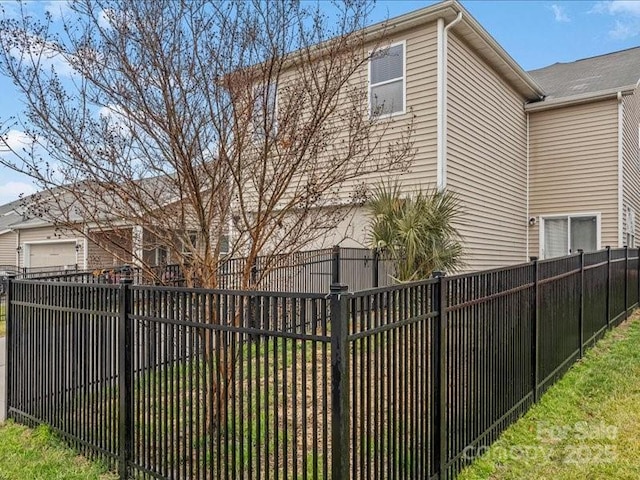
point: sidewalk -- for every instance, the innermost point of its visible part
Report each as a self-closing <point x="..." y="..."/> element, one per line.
<point x="2" y="380"/>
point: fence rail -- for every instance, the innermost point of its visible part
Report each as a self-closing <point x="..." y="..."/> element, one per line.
<point x="401" y="381"/>
<point x="310" y="271"/>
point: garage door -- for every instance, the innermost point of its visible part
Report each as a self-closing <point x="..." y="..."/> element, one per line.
<point x="52" y="254"/>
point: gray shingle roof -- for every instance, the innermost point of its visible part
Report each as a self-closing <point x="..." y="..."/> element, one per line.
<point x="605" y="72"/>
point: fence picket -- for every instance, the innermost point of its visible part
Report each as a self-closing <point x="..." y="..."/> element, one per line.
<point x="401" y="381"/>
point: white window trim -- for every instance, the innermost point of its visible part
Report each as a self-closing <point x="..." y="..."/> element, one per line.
<point x="542" y="218"/>
<point x="630" y="226"/>
<point x="404" y="81"/>
<point x="157" y="254"/>
<point x="185" y="249"/>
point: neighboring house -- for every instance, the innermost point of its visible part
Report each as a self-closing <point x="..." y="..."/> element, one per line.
<point x="35" y="243"/>
<point x="544" y="162"/>
<point x="28" y="240"/>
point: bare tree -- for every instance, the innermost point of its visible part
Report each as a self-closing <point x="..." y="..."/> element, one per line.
<point x="187" y="125"/>
<point x="199" y="123"/>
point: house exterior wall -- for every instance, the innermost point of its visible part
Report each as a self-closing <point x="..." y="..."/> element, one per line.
<point x="100" y="258"/>
<point x="631" y="161"/>
<point x="421" y="108"/>
<point x="8" y="248"/>
<point x="486" y="159"/>
<point x="574" y="166"/>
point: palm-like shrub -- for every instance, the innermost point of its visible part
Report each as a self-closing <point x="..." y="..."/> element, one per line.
<point x="417" y="230"/>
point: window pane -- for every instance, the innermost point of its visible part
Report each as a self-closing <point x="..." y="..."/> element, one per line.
<point x="387" y="98"/>
<point x="387" y="64"/>
<point x="555" y="237"/>
<point x="583" y="234"/>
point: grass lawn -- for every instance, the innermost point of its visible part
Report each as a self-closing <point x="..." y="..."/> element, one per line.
<point x="37" y="454"/>
<point x="586" y="427"/>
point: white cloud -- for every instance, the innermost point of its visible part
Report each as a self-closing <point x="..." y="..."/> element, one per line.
<point x="626" y="14"/>
<point x="623" y="30"/>
<point x="626" y="7"/>
<point x="24" y="45"/>
<point x="560" y="14"/>
<point x="14" y="140"/>
<point x="12" y="190"/>
<point x="58" y="9"/>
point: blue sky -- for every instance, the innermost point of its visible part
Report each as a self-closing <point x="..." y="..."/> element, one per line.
<point x="534" y="33"/>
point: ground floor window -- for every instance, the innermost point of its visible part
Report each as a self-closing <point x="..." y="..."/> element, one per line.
<point x="630" y="241"/>
<point x="562" y="235"/>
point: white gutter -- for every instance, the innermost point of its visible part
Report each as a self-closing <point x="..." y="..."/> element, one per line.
<point x="85" y="247"/>
<point x="18" y="248"/>
<point x="620" y="170"/>
<point x="528" y="226"/>
<point x="578" y="99"/>
<point x="441" y="110"/>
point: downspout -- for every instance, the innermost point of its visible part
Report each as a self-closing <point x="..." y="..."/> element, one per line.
<point x="528" y="190"/>
<point x="620" y="170"/>
<point x="18" y="248"/>
<point x="85" y="248"/>
<point x="441" y="111"/>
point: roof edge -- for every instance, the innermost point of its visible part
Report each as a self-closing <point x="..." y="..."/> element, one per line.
<point x="449" y="9"/>
<point x="527" y="79"/>
<point x="579" y="99"/>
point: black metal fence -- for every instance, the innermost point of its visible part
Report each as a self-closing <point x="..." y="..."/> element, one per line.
<point x="391" y="382"/>
<point x="310" y="271"/>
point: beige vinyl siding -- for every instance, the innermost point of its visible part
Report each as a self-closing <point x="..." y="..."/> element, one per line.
<point x="421" y="103"/>
<point x="8" y="248"/>
<point x="101" y="258"/>
<point x="631" y="159"/>
<point x="574" y="166"/>
<point x="486" y="159"/>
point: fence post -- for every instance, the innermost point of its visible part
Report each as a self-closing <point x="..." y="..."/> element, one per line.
<point x="608" y="286"/>
<point x="581" y="318"/>
<point x="375" y="268"/>
<point x="335" y="265"/>
<point x="254" y="303"/>
<point x="8" y="346"/>
<point x="626" y="280"/>
<point x="440" y="395"/>
<point x="125" y="380"/>
<point x="638" y="289"/>
<point x="339" y="382"/>
<point x="535" y="332"/>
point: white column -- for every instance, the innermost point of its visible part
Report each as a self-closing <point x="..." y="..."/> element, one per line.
<point x="137" y="246"/>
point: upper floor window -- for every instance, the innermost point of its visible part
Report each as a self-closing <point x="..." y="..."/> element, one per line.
<point x="387" y="81"/>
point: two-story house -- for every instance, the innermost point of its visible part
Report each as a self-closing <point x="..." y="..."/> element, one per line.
<point x="544" y="162"/>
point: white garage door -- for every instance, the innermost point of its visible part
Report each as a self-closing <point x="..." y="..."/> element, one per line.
<point x="52" y="254"/>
